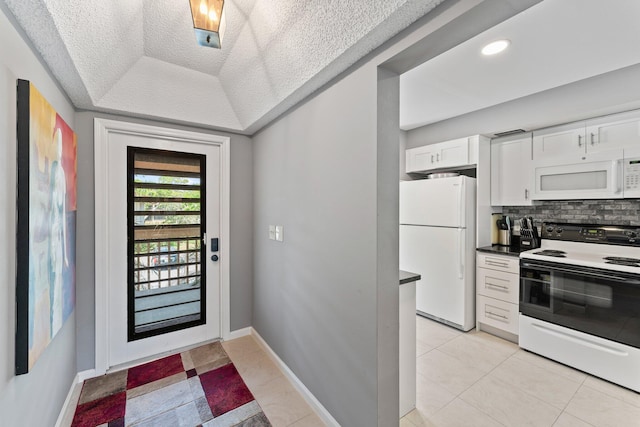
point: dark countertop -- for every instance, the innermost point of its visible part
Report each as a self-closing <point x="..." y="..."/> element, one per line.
<point x="407" y="277"/>
<point x="501" y="250"/>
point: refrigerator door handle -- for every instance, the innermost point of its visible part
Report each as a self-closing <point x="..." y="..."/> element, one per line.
<point x="461" y="253"/>
<point x="461" y="204"/>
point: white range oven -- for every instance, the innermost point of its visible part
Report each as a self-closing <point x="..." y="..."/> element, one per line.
<point x="580" y="299"/>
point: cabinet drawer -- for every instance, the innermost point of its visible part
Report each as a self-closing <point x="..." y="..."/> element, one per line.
<point x="496" y="313"/>
<point x="507" y="264"/>
<point x="498" y="284"/>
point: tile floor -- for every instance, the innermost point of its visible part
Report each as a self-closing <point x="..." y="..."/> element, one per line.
<point x="147" y="392"/>
<point x="476" y="379"/>
<point x="464" y="379"/>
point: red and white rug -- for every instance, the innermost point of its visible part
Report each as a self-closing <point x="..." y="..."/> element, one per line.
<point x="199" y="387"/>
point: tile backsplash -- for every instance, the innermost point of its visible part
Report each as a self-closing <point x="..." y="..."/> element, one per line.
<point x="612" y="212"/>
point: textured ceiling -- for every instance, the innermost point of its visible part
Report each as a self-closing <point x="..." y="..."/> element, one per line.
<point x="140" y="57"/>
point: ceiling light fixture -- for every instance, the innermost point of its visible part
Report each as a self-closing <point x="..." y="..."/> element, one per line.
<point x="495" y="47"/>
<point x="208" y="21"/>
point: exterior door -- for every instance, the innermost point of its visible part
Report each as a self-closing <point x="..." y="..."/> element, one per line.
<point x="162" y="212"/>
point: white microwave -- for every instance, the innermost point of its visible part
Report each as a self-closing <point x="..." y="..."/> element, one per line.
<point x="591" y="176"/>
<point x="631" y="180"/>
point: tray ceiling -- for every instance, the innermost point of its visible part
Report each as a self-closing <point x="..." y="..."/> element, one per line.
<point x="140" y="57"/>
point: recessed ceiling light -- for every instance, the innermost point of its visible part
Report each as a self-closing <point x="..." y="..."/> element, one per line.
<point x="495" y="47"/>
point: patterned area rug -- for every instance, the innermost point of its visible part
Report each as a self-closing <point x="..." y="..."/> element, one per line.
<point x="199" y="387"/>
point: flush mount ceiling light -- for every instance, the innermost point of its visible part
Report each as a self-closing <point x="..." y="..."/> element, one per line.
<point x="495" y="47"/>
<point x="208" y="21"/>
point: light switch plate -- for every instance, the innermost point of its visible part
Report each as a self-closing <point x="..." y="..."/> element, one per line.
<point x="279" y="233"/>
<point x="272" y="232"/>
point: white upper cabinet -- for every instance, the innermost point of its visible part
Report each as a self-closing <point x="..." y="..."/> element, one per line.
<point x="443" y="155"/>
<point x="511" y="167"/>
<point x="559" y="141"/>
<point x="612" y="132"/>
<point x="591" y="136"/>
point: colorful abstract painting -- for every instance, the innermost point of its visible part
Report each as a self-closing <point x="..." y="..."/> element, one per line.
<point x="46" y="226"/>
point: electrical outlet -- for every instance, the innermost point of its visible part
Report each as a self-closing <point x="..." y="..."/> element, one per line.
<point x="279" y="233"/>
<point x="272" y="232"/>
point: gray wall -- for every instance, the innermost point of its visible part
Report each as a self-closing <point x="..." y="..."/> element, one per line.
<point x="241" y="245"/>
<point x="326" y="299"/>
<point x="315" y="293"/>
<point x="34" y="399"/>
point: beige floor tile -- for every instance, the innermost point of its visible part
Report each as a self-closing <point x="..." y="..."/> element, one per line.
<point x="540" y="382"/>
<point x="432" y="333"/>
<point x="430" y="397"/>
<point x="602" y="410"/>
<point x="242" y="345"/>
<point x="404" y="422"/>
<point x="422" y="348"/>
<point x="568" y="420"/>
<point x="478" y="352"/>
<point x="551" y="365"/>
<point x="613" y="390"/>
<point x="509" y="405"/>
<point x="311" y="420"/>
<point x="497" y="343"/>
<point x="418" y="419"/>
<point x="257" y="369"/>
<point x="281" y="403"/>
<point x="448" y="372"/>
<point x="460" y="414"/>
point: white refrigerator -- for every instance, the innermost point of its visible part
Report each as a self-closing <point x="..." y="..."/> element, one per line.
<point x="437" y="241"/>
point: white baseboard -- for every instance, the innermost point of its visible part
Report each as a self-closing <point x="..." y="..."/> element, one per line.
<point x="297" y="384"/>
<point x="85" y="375"/>
<point x="239" y="333"/>
<point x="71" y="400"/>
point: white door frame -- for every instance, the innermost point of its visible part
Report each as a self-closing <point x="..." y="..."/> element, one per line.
<point x="102" y="129"/>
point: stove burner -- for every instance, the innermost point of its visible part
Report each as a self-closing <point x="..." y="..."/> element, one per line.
<point x="621" y="259"/>
<point x="552" y="252"/>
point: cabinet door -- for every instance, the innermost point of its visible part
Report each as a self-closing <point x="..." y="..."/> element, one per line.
<point x="511" y="167"/>
<point x="453" y="153"/>
<point x="421" y="158"/>
<point x="559" y="141"/>
<point x="615" y="131"/>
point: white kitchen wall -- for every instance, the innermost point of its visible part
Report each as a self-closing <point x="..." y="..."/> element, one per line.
<point x="33" y="399"/>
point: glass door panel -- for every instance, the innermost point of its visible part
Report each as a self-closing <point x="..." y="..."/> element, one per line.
<point x="166" y="200"/>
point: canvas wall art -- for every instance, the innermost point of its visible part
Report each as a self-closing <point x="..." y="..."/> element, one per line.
<point x="46" y="225"/>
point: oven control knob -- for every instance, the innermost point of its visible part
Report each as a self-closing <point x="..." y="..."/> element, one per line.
<point x="549" y="229"/>
<point x="632" y="235"/>
<point x="559" y="230"/>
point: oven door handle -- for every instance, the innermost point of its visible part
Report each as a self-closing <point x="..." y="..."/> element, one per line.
<point x="579" y="271"/>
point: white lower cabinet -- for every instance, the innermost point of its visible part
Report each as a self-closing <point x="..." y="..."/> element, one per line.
<point x="497" y="294"/>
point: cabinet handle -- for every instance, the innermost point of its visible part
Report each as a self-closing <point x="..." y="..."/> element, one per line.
<point x="526" y="194"/>
<point x="432" y="158"/>
<point x="579" y="140"/>
<point x="593" y="138"/>
<point x="496" y="264"/>
<point x="500" y="287"/>
<point x="437" y="157"/>
<point x="489" y="313"/>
